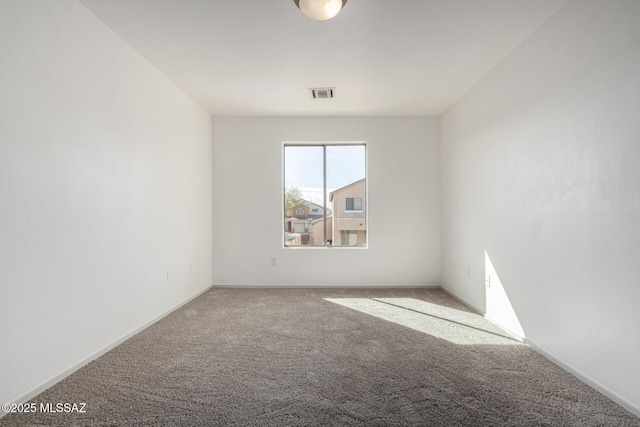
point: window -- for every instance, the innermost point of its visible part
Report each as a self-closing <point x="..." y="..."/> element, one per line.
<point x="332" y="177"/>
<point x="354" y="204"/>
<point x="349" y="237"/>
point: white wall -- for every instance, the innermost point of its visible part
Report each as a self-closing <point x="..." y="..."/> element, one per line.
<point x="541" y="171"/>
<point x="403" y="203"/>
<point x="105" y="184"/>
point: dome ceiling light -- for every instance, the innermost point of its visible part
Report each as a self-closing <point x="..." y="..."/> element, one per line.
<point x="320" y="10"/>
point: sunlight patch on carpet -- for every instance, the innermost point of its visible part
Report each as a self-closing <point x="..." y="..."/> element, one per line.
<point x="456" y="326"/>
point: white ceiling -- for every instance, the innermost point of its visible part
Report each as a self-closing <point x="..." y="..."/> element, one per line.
<point x="260" y="57"/>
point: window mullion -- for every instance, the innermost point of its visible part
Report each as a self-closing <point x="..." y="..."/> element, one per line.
<point x="324" y="193"/>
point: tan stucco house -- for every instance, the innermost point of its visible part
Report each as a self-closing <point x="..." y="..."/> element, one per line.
<point x="349" y="214"/>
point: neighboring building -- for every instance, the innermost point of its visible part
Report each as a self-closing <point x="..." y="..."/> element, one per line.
<point x="298" y="231"/>
<point x="349" y="226"/>
<point x="346" y="225"/>
<point x="298" y="224"/>
<point x="308" y="209"/>
<point x="318" y="231"/>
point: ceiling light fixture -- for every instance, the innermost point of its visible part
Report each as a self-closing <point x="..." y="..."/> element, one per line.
<point x="320" y="10"/>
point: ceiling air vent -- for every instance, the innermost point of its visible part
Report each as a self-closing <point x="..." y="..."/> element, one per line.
<point x="322" y="92"/>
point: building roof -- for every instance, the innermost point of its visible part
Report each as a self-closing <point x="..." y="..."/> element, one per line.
<point x="342" y="188"/>
<point x="322" y="219"/>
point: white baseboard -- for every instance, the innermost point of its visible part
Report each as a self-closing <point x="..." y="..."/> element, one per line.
<point x="320" y="286"/>
<point x="544" y="352"/>
<point x="59" y="377"/>
<point x="504" y="328"/>
<point x="463" y="301"/>
<point x="585" y="378"/>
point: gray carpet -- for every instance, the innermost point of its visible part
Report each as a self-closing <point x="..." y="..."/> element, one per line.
<point x="325" y="357"/>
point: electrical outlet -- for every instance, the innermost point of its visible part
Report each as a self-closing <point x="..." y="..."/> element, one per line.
<point x="489" y="281"/>
<point x="168" y="276"/>
<point x="274" y="260"/>
<point x="190" y="268"/>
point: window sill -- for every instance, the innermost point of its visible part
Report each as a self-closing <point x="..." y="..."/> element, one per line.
<point x="324" y="247"/>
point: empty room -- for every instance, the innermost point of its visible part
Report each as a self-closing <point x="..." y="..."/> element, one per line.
<point x="320" y="212"/>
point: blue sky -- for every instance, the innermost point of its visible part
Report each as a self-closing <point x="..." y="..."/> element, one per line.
<point x="303" y="168"/>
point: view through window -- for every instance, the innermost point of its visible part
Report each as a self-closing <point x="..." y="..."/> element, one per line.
<point x="325" y="197"/>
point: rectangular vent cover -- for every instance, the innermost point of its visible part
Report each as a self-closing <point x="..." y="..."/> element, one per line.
<point x="322" y="92"/>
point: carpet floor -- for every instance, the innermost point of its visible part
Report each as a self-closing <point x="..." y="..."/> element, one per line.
<point x="325" y="357"/>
